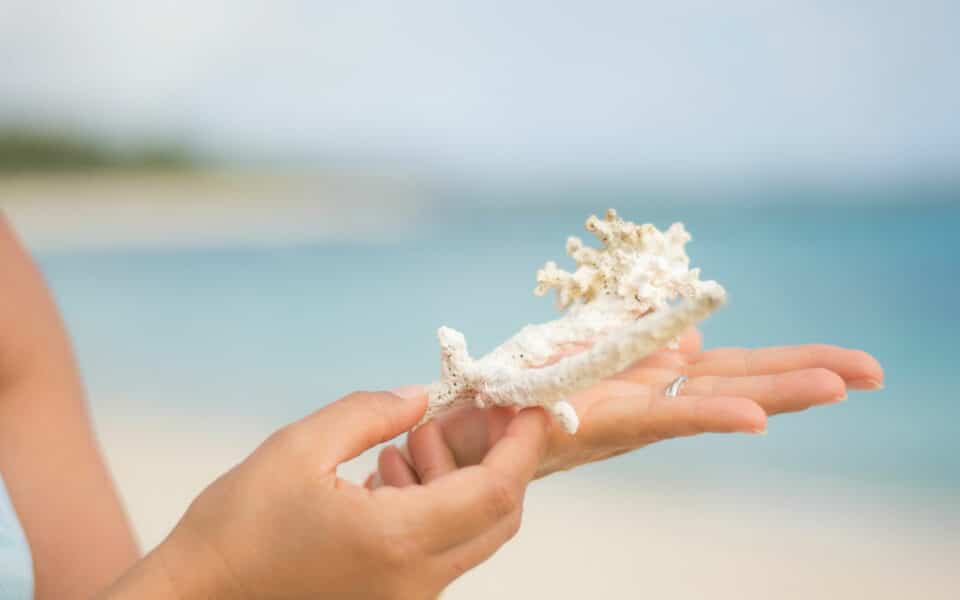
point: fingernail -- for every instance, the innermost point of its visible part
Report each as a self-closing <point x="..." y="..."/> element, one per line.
<point x="759" y="431"/>
<point x="866" y="384"/>
<point x="837" y="399"/>
<point x="408" y="392"/>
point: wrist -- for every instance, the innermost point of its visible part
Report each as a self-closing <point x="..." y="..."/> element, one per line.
<point x="149" y="578"/>
<point x="182" y="567"/>
<point x="192" y="568"/>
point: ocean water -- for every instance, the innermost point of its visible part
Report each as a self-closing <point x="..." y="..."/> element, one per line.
<point x="271" y="333"/>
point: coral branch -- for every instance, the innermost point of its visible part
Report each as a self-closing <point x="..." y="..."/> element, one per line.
<point x="618" y="299"/>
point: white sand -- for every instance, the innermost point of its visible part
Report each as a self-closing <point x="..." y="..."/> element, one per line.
<point x="581" y="539"/>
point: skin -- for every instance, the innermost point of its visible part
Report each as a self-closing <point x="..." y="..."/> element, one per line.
<point x="730" y="390"/>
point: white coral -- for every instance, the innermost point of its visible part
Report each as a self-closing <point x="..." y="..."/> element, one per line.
<point x="619" y="299"/>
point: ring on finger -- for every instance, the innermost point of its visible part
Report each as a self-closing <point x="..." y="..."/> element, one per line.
<point x="672" y="390"/>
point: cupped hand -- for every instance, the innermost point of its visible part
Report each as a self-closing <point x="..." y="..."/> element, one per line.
<point x="283" y="525"/>
<point x="729" y="390"/>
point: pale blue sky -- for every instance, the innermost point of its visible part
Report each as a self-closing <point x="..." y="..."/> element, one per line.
<point x="527" y="86"/>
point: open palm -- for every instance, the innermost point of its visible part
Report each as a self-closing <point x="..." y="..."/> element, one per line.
<point x="729" y="390"/>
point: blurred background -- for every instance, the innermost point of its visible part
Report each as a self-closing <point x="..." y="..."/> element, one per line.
<point x="248" y="209"/>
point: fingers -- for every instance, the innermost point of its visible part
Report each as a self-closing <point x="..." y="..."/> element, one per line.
<point x="631" y="416"/>
<point x="466" y="503"/>
<point x="470" y="432"/>
<point x="461" y="437"/>
<point x="517" y="454"/>
<point x="431" y="456"/>
<point x="857" y="368"/>
<point x="359" y="421"/>
<point x="784" y="392"/>
<point x="664" y="359"/>
<point x="691" y="342"/>
<point x="394" y="470"/>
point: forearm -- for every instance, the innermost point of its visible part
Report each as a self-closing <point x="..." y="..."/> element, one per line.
<point x="73" y="520"/>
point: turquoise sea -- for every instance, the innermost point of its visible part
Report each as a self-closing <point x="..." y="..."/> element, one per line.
<point x="270" y="333"/>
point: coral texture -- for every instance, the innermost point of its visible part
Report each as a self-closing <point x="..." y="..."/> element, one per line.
<point x="624" y="301"/>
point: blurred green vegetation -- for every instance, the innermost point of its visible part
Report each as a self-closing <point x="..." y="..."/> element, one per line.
<point x="31" y="149"/>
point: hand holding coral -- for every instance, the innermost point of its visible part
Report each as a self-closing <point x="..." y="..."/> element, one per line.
<point x="283" y="525"/>
<point x="729" y="390"/>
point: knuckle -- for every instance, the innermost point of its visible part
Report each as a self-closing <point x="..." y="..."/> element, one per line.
<point x="395" y="553"/>
<point x="653" y="431"/>
<point x="458" y="567"/>
<point x="746" y="367"/>
<point x="291" y="440"/>
<point x="655" y="394"/>
<point x="428" y="472"/>
<point x="709" y="385"/>
<point x="698" y="421"/>
<point x="503" y="498"/>
<point x="393" y="548"/>
<point x="515" y="520"/>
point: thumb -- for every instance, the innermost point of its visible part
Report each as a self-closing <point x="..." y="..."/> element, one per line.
<point x="362" y="420"/>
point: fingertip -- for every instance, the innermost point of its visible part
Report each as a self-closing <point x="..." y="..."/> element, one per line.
<point x="431" y="457"/>
<point x="755" y="417"/>
<point x="414" y="436"/>
<point x="691" y="341"/>
<point x="747" y="416"/>
<point x="534" y="418"/>
<point x="738" y="415"/>
<point x="411" y="393"/>
<point x="384" y="457"/>
<point x="414" y="398"/>
<point x="393" y="468"/>
<point x="536" y="412"/>
<point x="538" y="424"/>
<point x="827" y="385"/>
<point x="868" y="375"/>
<point x="522" y="447"/>
<point x="863" y="372"/>
<point x="865" y="385"/>
<point x="757" y="423"/>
